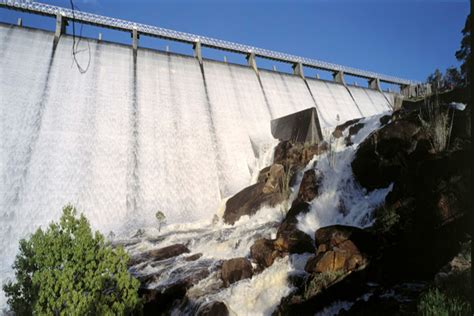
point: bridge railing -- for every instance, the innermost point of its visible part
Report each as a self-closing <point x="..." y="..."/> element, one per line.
<point x="138" y="28"/>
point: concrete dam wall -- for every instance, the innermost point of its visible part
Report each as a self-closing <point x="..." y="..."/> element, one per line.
<point x="134" y="135"/>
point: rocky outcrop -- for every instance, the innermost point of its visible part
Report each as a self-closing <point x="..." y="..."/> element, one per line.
<point x="236" y="269"/>
<point x="213" y="309"/>
<point x="297" y="155"/>
<point x="159" y="254"/>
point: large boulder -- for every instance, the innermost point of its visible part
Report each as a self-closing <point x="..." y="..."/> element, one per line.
<point x="382" y="156"/>
<point x="236" y="269"/>
<point x="263" y="252"/>
<point x="297" y="155"/>
<point x="213" y="309"/>
<point x="249" y="201"/>
<point x="159" y="254"/>
<point x="341" y="249"/>
<point x="289" y="238"/>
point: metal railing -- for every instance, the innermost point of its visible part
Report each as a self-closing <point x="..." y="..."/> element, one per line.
<point x="123" y="25"/>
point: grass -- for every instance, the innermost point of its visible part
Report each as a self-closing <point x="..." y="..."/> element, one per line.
<point x="437" y="303"/>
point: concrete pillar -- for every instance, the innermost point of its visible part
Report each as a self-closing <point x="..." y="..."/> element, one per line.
<point x="19" y="22"/>
<point x="298" y="70"/>
<point x="274" y="68"/>
<point x="339" y="77"/>
<point x="374" y="83"/>
<point x="61" y="23"/>
<point x="100" y="36"/>
<point x="252" y="61"/>
<point x="317" y="76"/>
<point x="225" y="58"/>
<point x="197" y="51"/>
<point x="135" y="37"/>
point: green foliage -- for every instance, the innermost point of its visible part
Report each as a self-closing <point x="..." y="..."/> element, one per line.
<point x="436" y="303"/>
<point x="161" y="218"/>
<point x="386" y="219"/>
<point x="464" y="53"/>
<point x="320" y="281"/>
<point x="69" y="270"/>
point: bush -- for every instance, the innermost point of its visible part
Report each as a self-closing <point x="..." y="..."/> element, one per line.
<point x="436" y="303"/>
<point x="69" y="270"/>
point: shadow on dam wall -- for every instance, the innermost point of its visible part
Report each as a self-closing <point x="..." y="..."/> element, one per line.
<point x="140" y="131"/>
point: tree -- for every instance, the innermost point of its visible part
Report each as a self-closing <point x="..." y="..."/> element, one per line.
<point x="161" y="218"/>
<point x="452" y="77"/>
<point x="464" y="53"/>
<point x="435" y="79"/>
<point x="68" y="270"/>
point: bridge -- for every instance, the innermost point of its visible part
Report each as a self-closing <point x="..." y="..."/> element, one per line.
<point x="62" y="15"/>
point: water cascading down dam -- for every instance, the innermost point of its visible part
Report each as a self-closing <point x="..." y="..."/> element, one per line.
<point x="141" y="130"/>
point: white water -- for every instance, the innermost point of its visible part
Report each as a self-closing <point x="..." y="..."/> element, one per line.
<point x="122" y="141"/>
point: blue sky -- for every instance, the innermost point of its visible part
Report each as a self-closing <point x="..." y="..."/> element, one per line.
<point x="407" y="39"/>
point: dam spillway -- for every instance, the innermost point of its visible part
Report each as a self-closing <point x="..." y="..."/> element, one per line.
<point x="138" y="134"/>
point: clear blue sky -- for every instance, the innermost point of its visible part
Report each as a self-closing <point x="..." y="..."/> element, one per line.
<point x="408" y="39"/>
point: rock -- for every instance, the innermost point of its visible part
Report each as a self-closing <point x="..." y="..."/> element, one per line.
<point x="249" y="201"/>
<point x="161" y="299"/>
<point x="194" y="257"/>
<point x="353" y="130"/>
<point x="336" y="235"/>
<point x="263" y="252"/>
<point x="289" y="238"/>
<point x="213" y="309"/>
<point x="263" y="174"/>
<point x="159" y="254"/>
<point x="297" y="155"/>
<point x="274" y="182"/>
<point x="236" y="269"/>
<point x="309" y="187"/>
<point x="382" y="156"/>
<point x="338" y="131"/>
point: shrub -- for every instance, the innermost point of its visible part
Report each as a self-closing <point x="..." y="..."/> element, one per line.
<point x="161" y="218"/>
<point x="436" y="303"/>
<point x="320" y="281"/>
<point x="69" y="270"/>
<point x="386" y="219"/>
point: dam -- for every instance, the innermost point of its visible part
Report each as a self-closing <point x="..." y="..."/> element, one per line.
<point x="142" y="130"/>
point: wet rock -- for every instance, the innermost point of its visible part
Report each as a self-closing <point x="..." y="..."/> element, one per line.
<point x="297" y="155"/>
<point x="161" y="299"/>
<point x="213" y="309"/>
<point x="249" y="201"/>
<point x="159" y="254"/>
<point x="289" y="238"/>
<point x="338" y="131"/>
<point x="263" y="252"/>
<point x="333" y="236"/>
<point x="274" y="181"/>
<point x="263" y="174"/>
<point x="193" y="257"/>
<point x="309" y="187"/>
<point x="236" y="269"/>
<point x="353" y="130"/>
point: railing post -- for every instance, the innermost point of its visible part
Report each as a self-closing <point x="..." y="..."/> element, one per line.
<point x="61" y="23"/>
<point x="135" y="38"/>
<point x="374" y="83"/>
<point x="252" y="61"/>
<point x="339" y="77"/>
<point x="298" y="69"/>
<point x="198" y="51"/>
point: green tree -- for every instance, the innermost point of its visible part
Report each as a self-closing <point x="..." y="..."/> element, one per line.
<point x="435" y="79"/>
<point x="453" y="78"/>
<point x="464" y="53"/>
<point x="69" y="270"/>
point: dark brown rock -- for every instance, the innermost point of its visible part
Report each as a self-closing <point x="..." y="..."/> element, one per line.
<point x="309" y="187"/>
<point x="341" y="128"/>
<point x="249" y="201"/>
<point x="263" y="252"/>
<point x="274" y="181"/>
<point x="213" y="309"/>
<point x="236" y="269"/>
<point x="159" y="254"/>
<point x="289" y="238"/>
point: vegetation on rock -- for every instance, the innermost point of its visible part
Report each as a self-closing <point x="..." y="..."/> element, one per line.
<point x="70" y="270"/>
